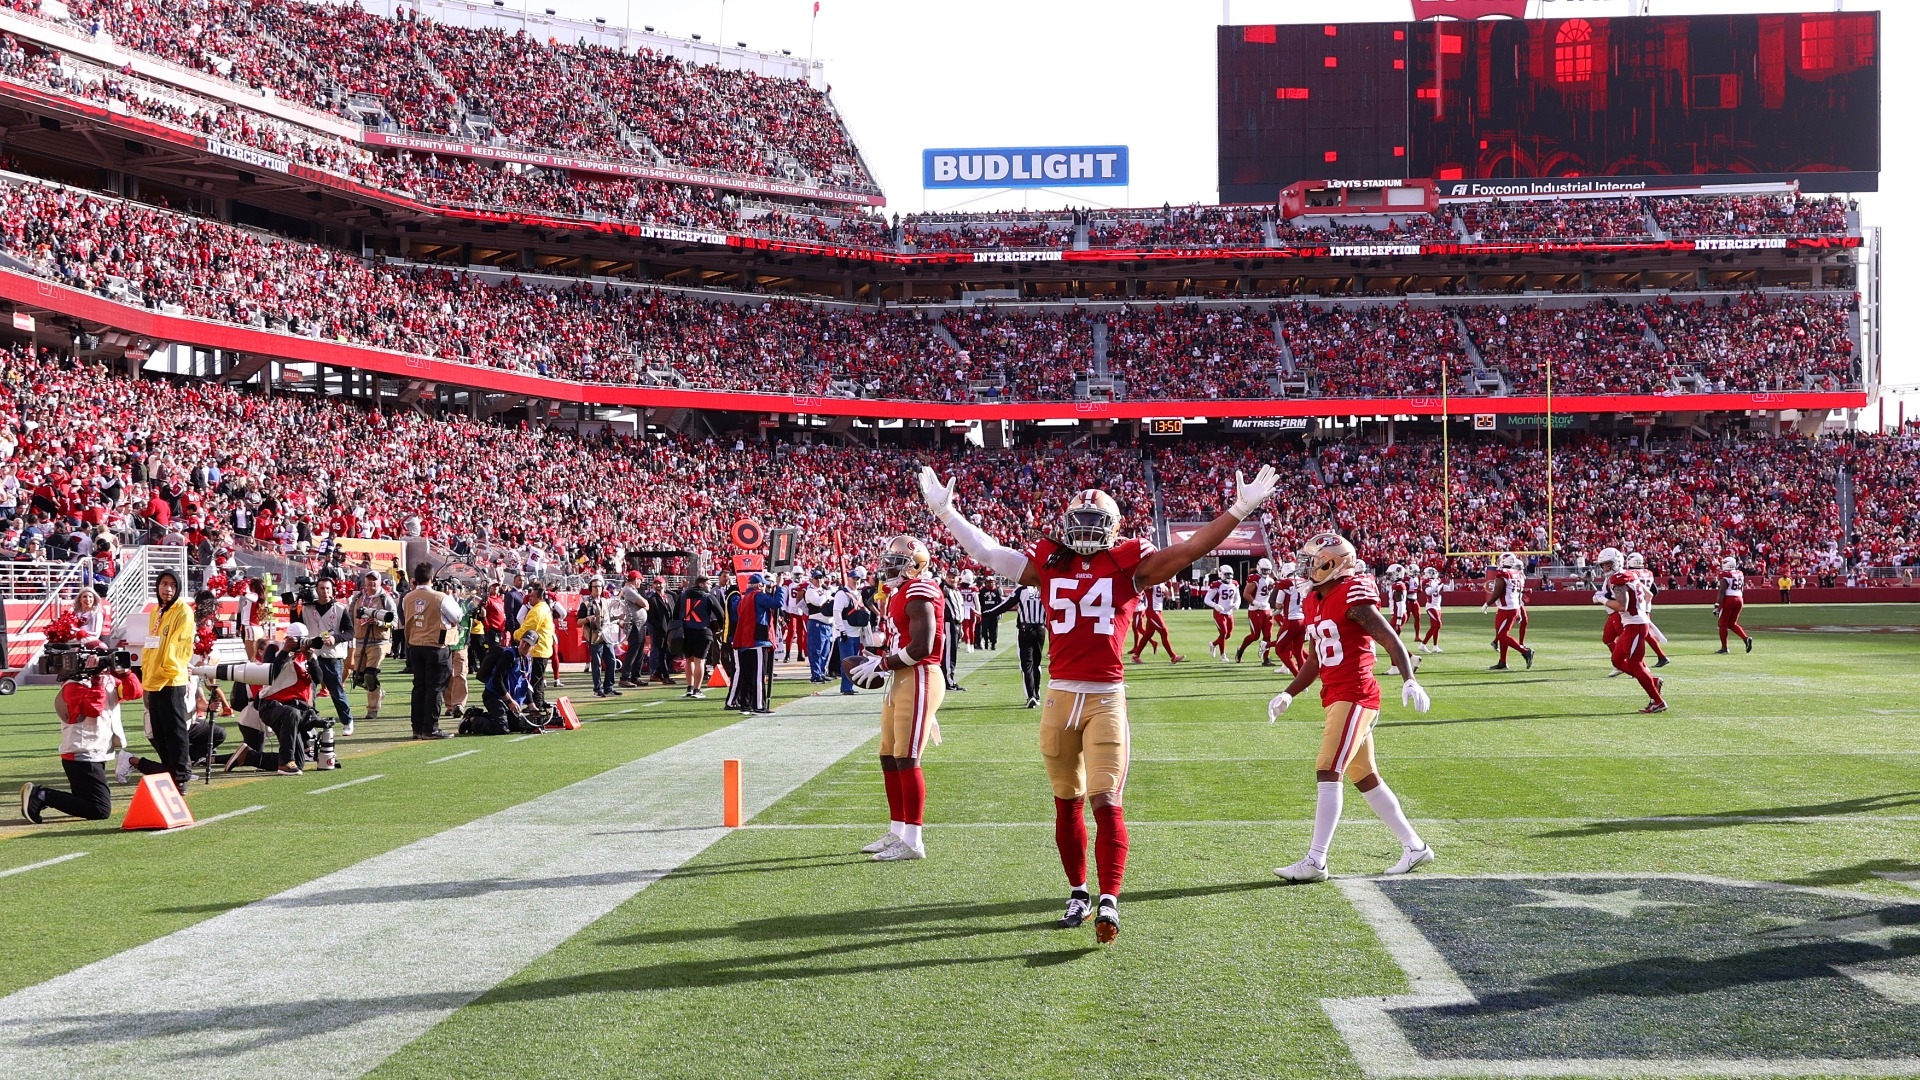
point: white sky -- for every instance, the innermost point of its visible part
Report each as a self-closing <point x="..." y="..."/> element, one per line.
<point x="910" y="74"/>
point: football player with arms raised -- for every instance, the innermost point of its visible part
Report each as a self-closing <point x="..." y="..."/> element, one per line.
<point x="1507" y="594"/>
<point x="915" y="623"/>
<point x="1343" y="622"/>
<point x="1090" y="580"/>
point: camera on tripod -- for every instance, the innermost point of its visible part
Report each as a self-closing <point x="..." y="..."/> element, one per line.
<point x="71" y="660"/>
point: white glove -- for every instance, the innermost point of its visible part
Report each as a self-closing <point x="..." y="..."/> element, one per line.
<point x="1248" y="496"/>
<point x="1484" y="608"/>
<point x="939" y="496"/>
<point x="865" y="668"/>
<point x="1412" y="693"/>
<point x="1281" y="702"/>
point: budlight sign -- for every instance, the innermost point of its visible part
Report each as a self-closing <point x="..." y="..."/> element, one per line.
<point x="1025" y="167"/>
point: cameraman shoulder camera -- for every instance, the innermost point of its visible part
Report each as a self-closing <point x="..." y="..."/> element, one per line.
<point x="284" y="703"/>
<point x="91" y="733"/>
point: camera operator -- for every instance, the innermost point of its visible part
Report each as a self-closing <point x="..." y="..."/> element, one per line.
<point x="282" y="703"/>
<point x="374" y="615"/>
<point x="327" y="617"/>
<point x="430" y="616"/>
<point x="88" y="706"/>
<point x="164" y="674"/>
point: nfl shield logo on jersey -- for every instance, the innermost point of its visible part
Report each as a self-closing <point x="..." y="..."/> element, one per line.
<point x="1636" y="975"/>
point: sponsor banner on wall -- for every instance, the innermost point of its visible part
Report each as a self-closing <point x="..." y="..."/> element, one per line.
<point x="435" y="145"/>
<point x="1267" y="423"/>
<point x="1024" y="167"/>
<point x="1249" y="538"/>
<point x="257" y="158"/>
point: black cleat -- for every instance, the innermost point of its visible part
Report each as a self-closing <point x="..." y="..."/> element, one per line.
<point x="1106" y="924"/>
<point x="1721" y="651"/>
<point x="1079" y="906"/>
<point x="1527" y="655"/>
<point x="1749" y="644"/>
<point x="1498" y="667"/>
<point x="1662" y="662"/>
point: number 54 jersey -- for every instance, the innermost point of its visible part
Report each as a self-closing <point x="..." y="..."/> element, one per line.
<point x="1090" y="601"/>
<point x="1343" y="649"/>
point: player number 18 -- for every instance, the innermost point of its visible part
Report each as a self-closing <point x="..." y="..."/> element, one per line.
<point x="1097" y="604"/>
<point x="1326" y="643"/>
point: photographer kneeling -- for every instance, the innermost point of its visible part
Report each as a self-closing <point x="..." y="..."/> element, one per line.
<point x="88" y="706"/>
<point x="283" y="704"/>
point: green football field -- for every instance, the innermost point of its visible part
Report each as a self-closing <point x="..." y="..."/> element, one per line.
<point x="1726" y="889"/>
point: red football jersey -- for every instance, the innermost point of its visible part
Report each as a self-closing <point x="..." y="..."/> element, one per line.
<point x="1344" y="650"/>
<point x="900" y="627"/>
<point x="1090" y="601"/>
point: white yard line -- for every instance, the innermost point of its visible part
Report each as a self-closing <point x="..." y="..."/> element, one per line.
<point x="524" y="738"/>
<point x="418" y="932"/>
<point x="208" y="821"/>
<point x="55" y="861"/>
<point x="349" y="783"/>
<point x="454" y="757"/>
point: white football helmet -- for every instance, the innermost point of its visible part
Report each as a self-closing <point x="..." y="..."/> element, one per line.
<point x="1729" y="564"/>
<point x="1609" y="560"/>
<point x="1265" y="566"/>
<point x="1288" y="569"/>
<point x="1395" y="571"/>
<point x="1091" y="523"/>
<point x="1431" y="573"/>
<point x="1636" y="561"/>
<point x="904" y="556"/>
<point x="1328" y="557"/>
<point x="966" y="577"/>
<point x="1226" y="572"/>
<point x="1510" y="561"/>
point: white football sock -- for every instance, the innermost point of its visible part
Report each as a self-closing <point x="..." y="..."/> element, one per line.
<point x="1326" y="817"/>
<point x="897" y="828"/>
<point x="910" y="834"/>
<point x="1082" y="887"/>
<point x="1387" y="809"/>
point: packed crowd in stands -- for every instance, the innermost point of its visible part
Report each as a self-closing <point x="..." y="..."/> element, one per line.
<point x="1772" y="503"/>
<point x="923" y="236"/>
<point x="1598" y="348"/>
<point x="1558" y="219"/>
<point x="1180" y="227"/>
<point x="429" y="77"/>
<point x="1361" y="351"/>
<point x="1790" y="214"/>
<point x="1410" y="228"/>
<point x="1033" y="355"/>
<point x="1757" y="342"/>
<point x="159" y="460"/>
<point x="1190" y="352"/>
<point x="603" y="333"/>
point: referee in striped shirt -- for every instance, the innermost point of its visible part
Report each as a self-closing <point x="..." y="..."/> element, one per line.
<point x="1030" y="621"/>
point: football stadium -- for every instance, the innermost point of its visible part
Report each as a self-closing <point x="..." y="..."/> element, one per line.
<point x="633" y="538"/>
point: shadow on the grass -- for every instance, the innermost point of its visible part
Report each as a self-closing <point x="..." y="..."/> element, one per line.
<point x="1859" y="873"/>
<point x="1494" y="719"/>
<point x="1726" y="818"/>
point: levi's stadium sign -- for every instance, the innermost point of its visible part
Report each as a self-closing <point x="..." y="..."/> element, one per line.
<point x="1024" y="167"/>
<point x="1469" y="9"/>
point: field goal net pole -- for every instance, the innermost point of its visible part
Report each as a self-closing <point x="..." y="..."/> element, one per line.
<point x="1446" y="472"/>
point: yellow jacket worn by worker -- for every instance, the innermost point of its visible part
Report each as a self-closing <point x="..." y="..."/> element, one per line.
<point x="538" y="620"/>
<point x="169" y="650"/>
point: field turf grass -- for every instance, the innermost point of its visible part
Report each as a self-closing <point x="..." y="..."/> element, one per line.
<point x="781" y="952"/>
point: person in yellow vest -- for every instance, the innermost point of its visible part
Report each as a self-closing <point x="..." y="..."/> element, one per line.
<point x="429" y="618"/>
<point x="536" y="637"/>
<point x="164" y="675"/>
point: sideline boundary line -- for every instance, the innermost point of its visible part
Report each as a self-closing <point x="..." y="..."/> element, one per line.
<point x="55" y="861"/>
<point x="420" y="931"/>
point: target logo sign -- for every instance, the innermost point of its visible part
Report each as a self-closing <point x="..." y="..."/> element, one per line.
<point x="747" y="534"/>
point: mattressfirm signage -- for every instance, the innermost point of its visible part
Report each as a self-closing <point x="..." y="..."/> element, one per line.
<point x="1024" y="167"/>
<point x="1266" y="423"/>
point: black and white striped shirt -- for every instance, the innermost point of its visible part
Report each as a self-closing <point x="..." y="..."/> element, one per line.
<point x="1031" y="611"/>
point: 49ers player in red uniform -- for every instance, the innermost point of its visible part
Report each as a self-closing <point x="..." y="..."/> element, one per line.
<point x="1733" y="597"/>
<point x="916" y="639"/>
<point x="1090" y="580"/>
<point x="1343" y="622"/>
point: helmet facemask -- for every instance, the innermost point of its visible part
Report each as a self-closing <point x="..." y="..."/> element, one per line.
<point x="1091" y="523"/>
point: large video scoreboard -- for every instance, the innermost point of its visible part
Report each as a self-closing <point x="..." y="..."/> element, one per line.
<point x="1748" y="97"/>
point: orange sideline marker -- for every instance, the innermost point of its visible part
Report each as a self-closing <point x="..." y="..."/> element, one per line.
<point x="730" y="793"/>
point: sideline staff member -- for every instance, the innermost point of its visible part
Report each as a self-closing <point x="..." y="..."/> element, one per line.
<point x="163" y="674"/>
<point x="428" y="615"/>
